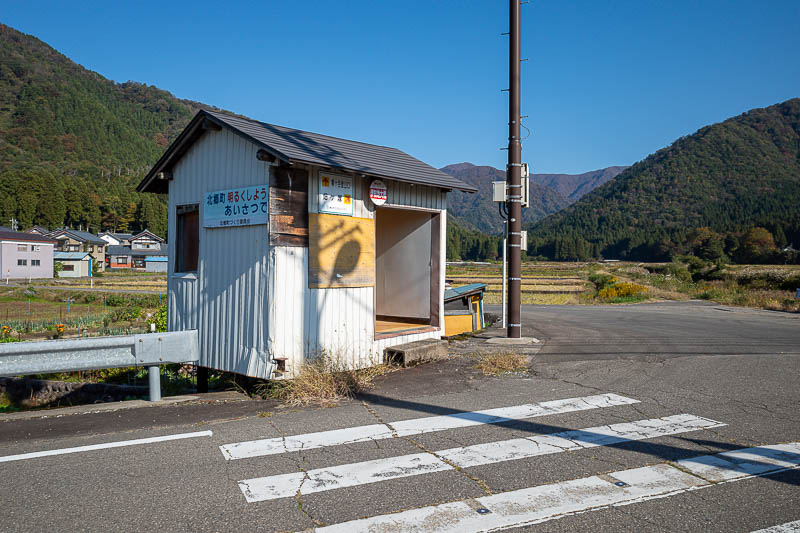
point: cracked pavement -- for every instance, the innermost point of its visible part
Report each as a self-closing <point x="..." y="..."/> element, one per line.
<point x="739" y="367"/>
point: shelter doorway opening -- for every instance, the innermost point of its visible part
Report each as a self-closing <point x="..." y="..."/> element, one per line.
<point x="407" y="271"/>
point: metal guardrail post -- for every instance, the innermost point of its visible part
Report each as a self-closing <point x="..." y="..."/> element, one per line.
<point x="154" y="376"/>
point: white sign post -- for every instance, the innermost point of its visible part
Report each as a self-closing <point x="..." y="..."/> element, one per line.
<point x="245" y="206"/>
<point x="335" y="194"/>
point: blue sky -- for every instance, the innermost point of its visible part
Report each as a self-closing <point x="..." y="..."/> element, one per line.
<point x="607" y="83"/>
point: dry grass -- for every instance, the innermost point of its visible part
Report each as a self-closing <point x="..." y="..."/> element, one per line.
<point x="528" y="298"/>
<point x="324" y="381"/>
<point x="496" y="364"/>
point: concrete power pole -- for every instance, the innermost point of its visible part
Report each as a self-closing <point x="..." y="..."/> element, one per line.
<point x="514" y="177"/>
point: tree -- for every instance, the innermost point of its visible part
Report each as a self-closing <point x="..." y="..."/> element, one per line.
<point x="757" y="245"/>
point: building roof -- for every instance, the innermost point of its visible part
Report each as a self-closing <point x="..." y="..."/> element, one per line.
<point x="146" y="233"/>
<point x="297" y="146"/>
<point x="462" y="292"/>
<point x="126" y="250"/>
<point x="38" y="229"/>
<point x="118" y="236"/>
<point x="82" y="236"/>
<point x="70" y="256"/>
<point x="24" y="237"/>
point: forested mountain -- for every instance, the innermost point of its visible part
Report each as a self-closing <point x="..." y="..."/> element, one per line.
<point x="478" y="212"/>
<point x="574" y="186"/>
<point x="720" y="185"/>
<point x="74" y="144"/>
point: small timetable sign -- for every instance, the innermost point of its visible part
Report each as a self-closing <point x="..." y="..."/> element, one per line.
<point x="335" y="194"/>
<point x="244" y="206"/>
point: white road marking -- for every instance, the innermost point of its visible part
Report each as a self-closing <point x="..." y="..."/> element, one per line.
<point x="549" y="502"/>
<point x="349" y="475"/>
<point x="789" y="527"/>
<point x="91" y="447"/>
<point x="416" y="426"/>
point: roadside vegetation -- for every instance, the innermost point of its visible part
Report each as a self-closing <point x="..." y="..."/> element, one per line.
<point x="497" y="364"/>
<point x="28" y="313"/>
<point x="323" y="380"/>
<point x="687" y="277"/>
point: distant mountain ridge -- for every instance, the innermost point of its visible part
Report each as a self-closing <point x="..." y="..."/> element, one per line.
<point x="574" y="186"/>
<point x="478" y="212"/>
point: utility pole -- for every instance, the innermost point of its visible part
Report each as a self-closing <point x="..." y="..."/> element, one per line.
<point x="514" y="176"/>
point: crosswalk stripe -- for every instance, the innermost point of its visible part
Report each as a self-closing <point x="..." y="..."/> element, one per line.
<point x="348" y="475"/>
<point x="548" y="502"/>
<point x="789" y="527"/>
<point x="416" y="426"/>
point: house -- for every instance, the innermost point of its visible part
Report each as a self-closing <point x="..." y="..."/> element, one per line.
<point x="116" y="239"/>
<point x="118" y="257"/>
<point x="71" y="240"/>
<point x="74" y="264"/>
<point x="128" y="257"/>
<point x="289" y="244"/>
<point x="25" y="255"/>
<point x="146" y="241"/>
<point x="38" y="230"/>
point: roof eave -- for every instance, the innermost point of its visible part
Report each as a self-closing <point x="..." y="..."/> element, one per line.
<point x="190" y="134"/>
<point x="465" y="188"/>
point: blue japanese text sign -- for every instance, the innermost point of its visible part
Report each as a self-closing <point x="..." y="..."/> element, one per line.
<point x="244" y="206"/>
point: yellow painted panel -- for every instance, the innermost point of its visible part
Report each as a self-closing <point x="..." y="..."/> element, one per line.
<point x="341" y="251"/>
<point x="457" y="324"/>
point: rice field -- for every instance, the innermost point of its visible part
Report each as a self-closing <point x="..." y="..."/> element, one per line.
<point x="542" y="283"/>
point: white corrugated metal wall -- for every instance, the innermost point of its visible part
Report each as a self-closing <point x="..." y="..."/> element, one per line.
<point x="338" y="321"/>
<point x="226" y="299"/>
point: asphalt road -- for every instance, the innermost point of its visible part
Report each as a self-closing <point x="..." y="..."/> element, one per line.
<point x="732" y="373"/>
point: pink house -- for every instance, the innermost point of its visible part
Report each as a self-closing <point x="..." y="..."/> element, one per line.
<point x="25" y="255"/>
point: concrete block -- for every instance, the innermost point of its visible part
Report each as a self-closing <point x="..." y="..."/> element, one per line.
<point x="416" y="352"/>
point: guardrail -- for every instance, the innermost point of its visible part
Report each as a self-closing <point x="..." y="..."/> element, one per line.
<point x="149" y="349"/>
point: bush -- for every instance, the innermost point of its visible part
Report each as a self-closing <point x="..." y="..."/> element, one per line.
<point x="675" y="270"/>
<point x="602" y="281"/>
<point x="624" y="290"/>
<point x="115" y="300"/>
<point x="125" y="314"/>
<point x="160" y="319"/>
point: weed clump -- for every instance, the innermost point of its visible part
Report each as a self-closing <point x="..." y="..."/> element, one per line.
<point x="323" y="380"/>
<point x="497" y="364"/>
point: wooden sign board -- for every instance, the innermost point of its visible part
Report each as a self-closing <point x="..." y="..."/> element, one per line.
<point x="341" y="251"/>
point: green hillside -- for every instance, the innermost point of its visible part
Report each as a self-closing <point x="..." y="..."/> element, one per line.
<point x="716" y="184"/>
<point x="73" y="144"/>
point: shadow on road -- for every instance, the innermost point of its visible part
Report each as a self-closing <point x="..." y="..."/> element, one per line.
<point x="665" y="452"/>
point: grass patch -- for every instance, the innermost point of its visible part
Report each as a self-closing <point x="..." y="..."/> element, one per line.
<point x="323" y="380"/>
<point x="497" y="364"/>
<point x="5" y="404"/>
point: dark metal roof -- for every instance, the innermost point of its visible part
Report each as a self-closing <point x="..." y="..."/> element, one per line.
<point x="297" y="146"/>
<point x="462" y="292"/>
<point x="83" y="236"/>
<point x="27" y="237"/>
<point x="118" y="236"/>
<point x="127" y="250"/>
